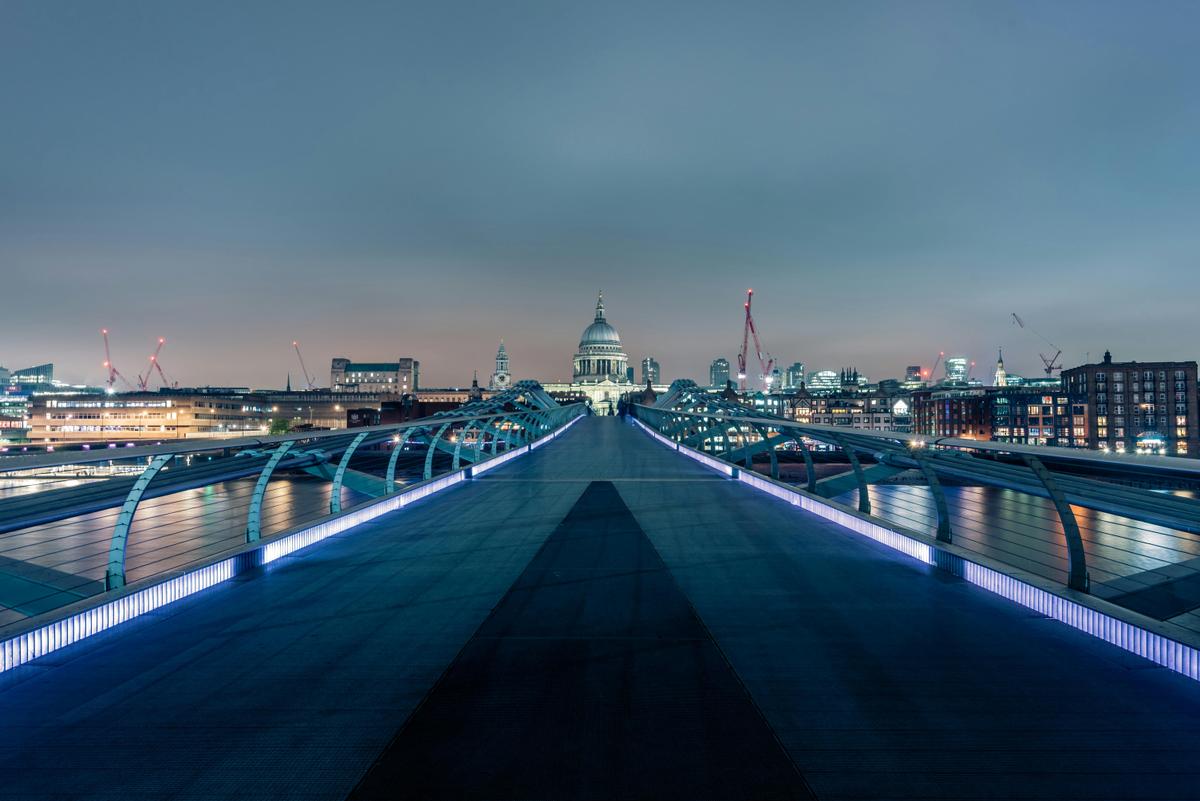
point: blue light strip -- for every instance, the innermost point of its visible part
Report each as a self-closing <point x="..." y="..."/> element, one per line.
<point x="29" y="645"/>
<point x="1157" y="648"/>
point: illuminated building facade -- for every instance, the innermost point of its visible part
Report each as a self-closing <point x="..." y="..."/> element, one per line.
<point x="1139" y="407"/>
<point x="650" y="370"/>
<point x="718" y="373"/>
<point x="388" y="378"/>
<point x="600" y="367"/>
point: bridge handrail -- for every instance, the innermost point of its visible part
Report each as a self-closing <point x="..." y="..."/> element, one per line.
<point x="1030" y="470"/>
<point x="260" y="456"/>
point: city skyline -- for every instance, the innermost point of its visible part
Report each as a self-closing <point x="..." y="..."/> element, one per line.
<point x="401" y="182"/>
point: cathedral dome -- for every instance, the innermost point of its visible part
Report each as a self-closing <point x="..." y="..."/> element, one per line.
<point x="600" y="357"/>
<point x="599" y="332"/>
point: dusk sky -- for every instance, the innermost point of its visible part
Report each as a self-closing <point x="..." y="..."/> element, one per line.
<point x="384" y="179"/>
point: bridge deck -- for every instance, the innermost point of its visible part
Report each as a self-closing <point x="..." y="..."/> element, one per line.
<point x="599" y="619"/>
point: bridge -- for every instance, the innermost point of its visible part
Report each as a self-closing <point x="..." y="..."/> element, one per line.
<point x="517" y="600"/>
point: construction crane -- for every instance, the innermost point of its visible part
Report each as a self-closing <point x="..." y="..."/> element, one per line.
<point x="113" y="372"/>
<point x="144" y="381"/>
<point x="929" y="373"/>
<point x="1049" y="363"/>
<point x="765" y="364"/>
<point x="307" y="378"/>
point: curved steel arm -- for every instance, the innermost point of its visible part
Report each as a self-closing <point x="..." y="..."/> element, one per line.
<point x="114" y="576"/>
<point x="390" y="485"/>
<point x="809" y="468"/>
<point x="254" y="516"/>
<point x="1077" y="573"/>
<point x="462" y="434"/>
<point x="939" y="498"/>
<point x="481" y="442"/>
<point x="864" y="499"/>
<point x="335" y="492"/>
<point x="763" y="436"/>
<point x="432" y="448"/>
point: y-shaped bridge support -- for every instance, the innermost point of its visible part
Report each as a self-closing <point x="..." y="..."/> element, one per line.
<point x="1077" y="574"/>
<point x="433" y="447"/>
<point x="254" y="517"/>
<point x="939" y="498"/>
<point x="390" y="480"/>
<point x="864" y="499"/>
<point x="335" y="493"/>
<point x="114" y="576"/>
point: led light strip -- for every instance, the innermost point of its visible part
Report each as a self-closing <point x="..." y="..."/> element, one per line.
<point x="1157" y="648"/>
<point x="30" y="645"/>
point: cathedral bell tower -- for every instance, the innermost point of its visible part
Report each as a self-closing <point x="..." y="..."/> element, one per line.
<point x="501" y="379"/>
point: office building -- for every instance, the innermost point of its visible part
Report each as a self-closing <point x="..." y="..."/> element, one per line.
<point x="651" y="372"/>
<point x="956" y="369"/>
<point x="389" y="378"/>
<point x="825" y="381"/>
<point x="1139" y="407"/>
<point x="718" y="373"/>
<point x="793" y="377"/>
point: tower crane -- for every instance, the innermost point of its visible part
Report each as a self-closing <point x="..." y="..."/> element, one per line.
<point x="1049" y="363"/>
<point x="766" y="362"/>
<point x="113" y="372"/>
<point x="144" y="381"/>
<point x="307" y="378"/>
<point x="936" y="362"/>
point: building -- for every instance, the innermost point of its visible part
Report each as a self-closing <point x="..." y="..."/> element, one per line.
<point x="388" y="378"/>
<point x="501" y="379"/>
<point x="38" y="375"/>
<point x="824" y="381"/>
<point x="1031" y="417"/>
<point x="1139" y="407"/>
<point x="863" y="411"/>
<point x="1000" y="379"/>
<point x="14" y="418"/>
<point x="651" y="372"/>
<point x="793" y="377"/>
<point x="145" y="416"/>
<point x="951" y="412"/>
<point x="1021" y="415"/>
<point x="600" y="367"/>
<point x="718" y="373"/>
<point x="912" y="373"/>
<point x="956" y="369"/>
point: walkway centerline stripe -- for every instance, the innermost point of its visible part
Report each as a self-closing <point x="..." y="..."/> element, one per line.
<point x="592" y="678"/>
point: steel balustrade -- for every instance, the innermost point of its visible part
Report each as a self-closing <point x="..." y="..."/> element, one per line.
<point x="520" y="415"/>
<point x="1034" y="470"/>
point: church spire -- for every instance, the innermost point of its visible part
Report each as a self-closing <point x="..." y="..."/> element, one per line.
<point x="600" y="307"/>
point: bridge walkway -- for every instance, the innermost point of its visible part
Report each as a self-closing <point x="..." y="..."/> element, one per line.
<point x="599" y="619"/>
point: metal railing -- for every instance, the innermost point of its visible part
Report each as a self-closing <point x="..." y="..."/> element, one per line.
<point x="54" y="536"/>
<point x="736" y="434"/>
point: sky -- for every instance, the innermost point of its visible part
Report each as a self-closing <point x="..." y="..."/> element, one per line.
<point x="379" y="180"/>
